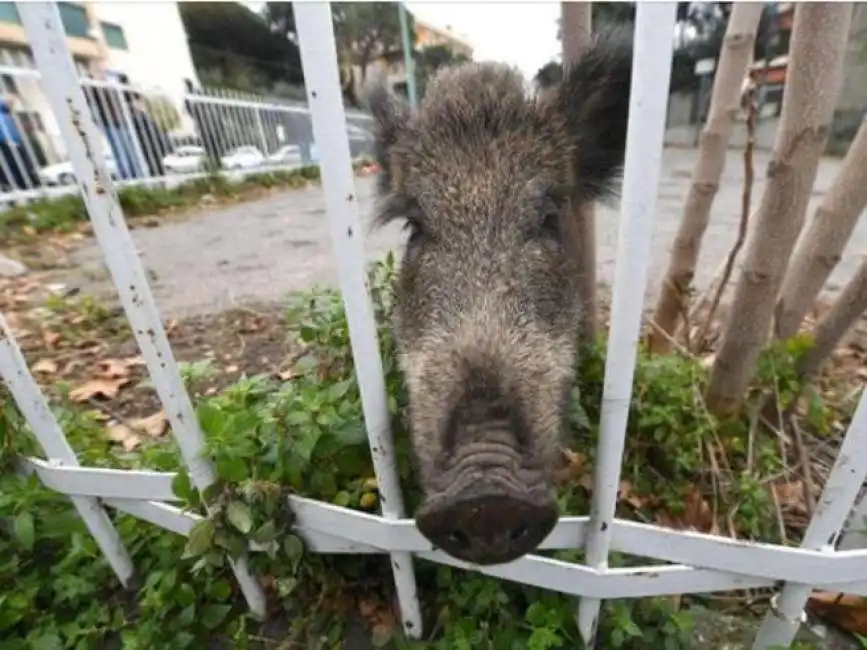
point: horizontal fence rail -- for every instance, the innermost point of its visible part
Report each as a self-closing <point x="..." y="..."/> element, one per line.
<point x="102" y="155"/>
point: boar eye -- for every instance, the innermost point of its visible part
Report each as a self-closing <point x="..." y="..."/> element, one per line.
<point x="551" y="223"/>
<point x="416" y="232"/>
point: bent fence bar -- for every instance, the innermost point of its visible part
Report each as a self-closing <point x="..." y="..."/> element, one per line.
<point x="696" y="562"/>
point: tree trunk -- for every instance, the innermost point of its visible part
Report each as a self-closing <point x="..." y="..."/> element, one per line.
<point x="836" y="324"/>
<point x="725" y="100"/>
<point x="821" y="246"/>
<point x="813" y="82"/>
<point x="576" y="28"/>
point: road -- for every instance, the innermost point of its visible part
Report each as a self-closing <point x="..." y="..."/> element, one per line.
<point x="263" y="250"/>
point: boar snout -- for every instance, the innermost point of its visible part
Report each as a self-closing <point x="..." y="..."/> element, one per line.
<point x="491" y="518"/>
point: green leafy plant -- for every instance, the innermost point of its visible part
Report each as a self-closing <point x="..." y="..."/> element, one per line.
<point x="269" y="439"/>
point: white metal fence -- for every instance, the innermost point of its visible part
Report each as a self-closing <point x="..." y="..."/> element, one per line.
<point x="149" y="136"/>
<point x="696" y="562"/>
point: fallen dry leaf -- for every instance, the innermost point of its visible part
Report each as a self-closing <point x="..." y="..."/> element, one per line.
<point x="124" y="435"/>
<point x="45" y="366"/>
<point x="844" y="611"/>
<point x="697" y="514"/>
<point x="232" y="368"/>
<point x="113" y="369"/>
<point x="791" y="496"/>
<point x="107" y="388"/>
<point x="51" y="338"/>
<point x="154" y="425"/>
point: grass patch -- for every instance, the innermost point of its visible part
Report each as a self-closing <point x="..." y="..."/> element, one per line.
<point x="304" y="434"/>
<point x="68" y="213"/>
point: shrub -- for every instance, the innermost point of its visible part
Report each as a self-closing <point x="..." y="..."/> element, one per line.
<point x="268" y="438"/>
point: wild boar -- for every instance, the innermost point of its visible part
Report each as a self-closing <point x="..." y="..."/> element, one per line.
<point x="486" y="316"/>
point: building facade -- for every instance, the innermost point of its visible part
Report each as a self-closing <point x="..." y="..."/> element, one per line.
<point x="392" y="64"/>
<point x="145" y="41"/>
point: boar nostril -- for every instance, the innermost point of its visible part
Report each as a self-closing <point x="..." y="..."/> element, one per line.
<point x="487" y="527"/>
<point x="519" y="534"/>
<point x="458" y="538"/>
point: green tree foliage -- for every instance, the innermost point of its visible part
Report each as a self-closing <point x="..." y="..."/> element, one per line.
<point x="366" y="30"/>
<point x="707" y="23"/>
<point x="239" y="44"/>
<point x="280" y="17"/>
<point x="431" y="59"/>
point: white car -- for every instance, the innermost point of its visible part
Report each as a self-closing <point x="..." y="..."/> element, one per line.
<point x="246" y="157"/>
<point x="185" y="160"/>
<point x="62" y="173"/>
<point x="289" y="154"/>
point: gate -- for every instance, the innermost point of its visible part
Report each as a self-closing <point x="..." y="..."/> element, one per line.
<point x="696" y="562"/>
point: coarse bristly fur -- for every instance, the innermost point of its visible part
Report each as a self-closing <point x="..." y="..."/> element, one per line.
<point x="486" y="315"/>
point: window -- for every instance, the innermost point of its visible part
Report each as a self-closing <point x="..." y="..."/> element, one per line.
<point x="74" y="19"/>
<point x="8" y="85"/>
<point x="9" y="13"/>
<point x="114" y="36"/>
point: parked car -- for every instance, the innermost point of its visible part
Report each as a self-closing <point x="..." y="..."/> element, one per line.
<point x="246" y="157"/>
<point x="185" y="160"/>
<point x="289" y="154"/>
<point x="360" y="141"/>
<point x="62" y="173"/>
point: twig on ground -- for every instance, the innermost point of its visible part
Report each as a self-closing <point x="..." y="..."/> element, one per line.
<point x="746" y="200"/>
<point x="781" y="524"/>
<point x="751" y="439"/>
<point x="668" y="337"/>
<point x="804" y="460"/>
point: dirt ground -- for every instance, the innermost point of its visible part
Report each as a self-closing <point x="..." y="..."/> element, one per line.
<point x="223" y="257"/>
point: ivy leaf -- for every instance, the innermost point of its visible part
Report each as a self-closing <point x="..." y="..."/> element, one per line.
<point x="231" y="470"/>
<point x="299" y="417"/>
<point x="25" y="530"/>
<point x="182" y="487"/>
<point x="306" y="364"/>
<point x="46" y="641"/>
<point x="267" y="532"/>
<point x="294" y="547"/>
<point x="338" y="390"/>
<point x="285" y="586"/>
<point x="307" y="333"/>
<point x="212" y="615"/>
<point x="239" y="515"/>
<point x="201" y="538"/>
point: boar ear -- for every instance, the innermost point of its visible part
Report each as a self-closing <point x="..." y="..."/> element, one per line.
<point x="592" y="101"/>
<point x="390" y="115"/>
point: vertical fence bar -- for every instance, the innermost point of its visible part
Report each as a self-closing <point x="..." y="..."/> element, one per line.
<point x="319" y="64"/>
<point x="138" y="162"/>
<point x="648" y="99"/>
<point x="847" y="476"/>
<point x="48" y="41"/>
<point x="31" y="401"/>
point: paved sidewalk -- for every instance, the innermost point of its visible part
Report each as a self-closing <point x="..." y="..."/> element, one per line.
<point x="266" y="249"/>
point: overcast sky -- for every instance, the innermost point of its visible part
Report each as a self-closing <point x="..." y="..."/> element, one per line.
<point x="520" y="33"/>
